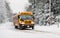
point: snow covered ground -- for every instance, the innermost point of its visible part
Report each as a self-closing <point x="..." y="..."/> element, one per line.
<point x="7" y="30"/>
<point x="52" y="28"/>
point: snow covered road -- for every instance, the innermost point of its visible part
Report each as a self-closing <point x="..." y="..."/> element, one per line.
<point x="7" y="30"/>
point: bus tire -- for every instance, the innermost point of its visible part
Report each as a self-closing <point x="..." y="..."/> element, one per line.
<point x="16" y="27"/>
<point x="32" y="27"/>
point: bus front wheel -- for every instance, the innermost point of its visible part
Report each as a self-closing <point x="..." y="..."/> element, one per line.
<point x="16" y="27"/>
<point x="32" y="27"/>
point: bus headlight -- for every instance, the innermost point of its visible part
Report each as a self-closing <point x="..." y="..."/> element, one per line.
<point x="32" y="22"/>
<point x="22" y="23"/>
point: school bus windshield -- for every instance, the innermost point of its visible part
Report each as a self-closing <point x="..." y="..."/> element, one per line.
<point x="25" y="17"/>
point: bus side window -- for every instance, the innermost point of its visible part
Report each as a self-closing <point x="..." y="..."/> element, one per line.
<point x="15" y="18"/>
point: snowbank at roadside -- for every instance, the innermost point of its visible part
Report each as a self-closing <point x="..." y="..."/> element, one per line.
<point x="53" y="28"/>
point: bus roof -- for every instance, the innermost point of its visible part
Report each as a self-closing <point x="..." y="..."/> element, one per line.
<point x="25" y="13"/>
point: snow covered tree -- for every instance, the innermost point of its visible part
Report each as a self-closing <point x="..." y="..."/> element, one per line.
<point x="9" y="11"/>
<point x="43" y="8"/>
<point x="36" y="7"/>
<point x="2" y="11"/>
<point x="55" y="7"/>
<point x="5" y="11"/>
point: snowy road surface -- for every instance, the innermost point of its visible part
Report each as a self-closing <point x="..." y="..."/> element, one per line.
<point x="7" y="30"/>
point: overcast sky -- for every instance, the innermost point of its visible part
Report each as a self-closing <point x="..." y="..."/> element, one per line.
<point x="18" y="5"/>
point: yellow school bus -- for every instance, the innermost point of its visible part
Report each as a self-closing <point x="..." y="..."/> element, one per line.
<point x="23" y="20"/>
